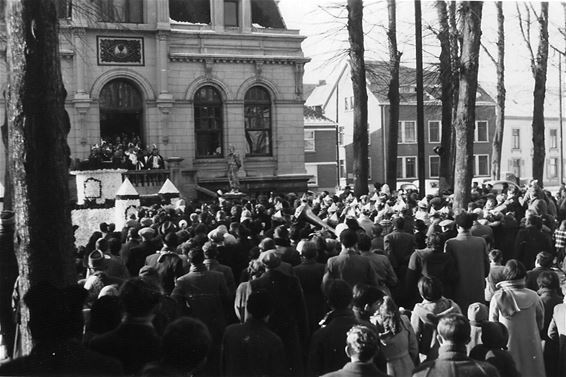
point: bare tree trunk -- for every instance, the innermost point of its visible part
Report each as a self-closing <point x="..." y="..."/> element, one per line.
<point x="500" y="107"/>
<point x="38" y="152"/>
<point x="358" y="72"/>
<point x="7" y="204"/>
<point x="455" y="43"/>
<point x="539" y="67"/>
<point x="446" y="82"/>
<point x="466" y="114"/>
<point x="393" y="96"/>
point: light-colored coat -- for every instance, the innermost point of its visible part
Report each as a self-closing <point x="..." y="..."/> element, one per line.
<point x="522" y="312"/>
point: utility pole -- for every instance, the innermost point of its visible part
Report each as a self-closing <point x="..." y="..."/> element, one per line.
<point x="420" y="100"/>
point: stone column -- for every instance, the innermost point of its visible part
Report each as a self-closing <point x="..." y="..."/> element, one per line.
<point x="217" y="15"/>
<point x="246" y="16"/>
<point x="81" y="99"/>
<point x="174" y="165"/>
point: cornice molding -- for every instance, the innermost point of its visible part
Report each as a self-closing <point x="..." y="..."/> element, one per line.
<point x="199" y="58"/>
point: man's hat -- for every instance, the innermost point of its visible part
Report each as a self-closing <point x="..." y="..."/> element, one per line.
<point x="146" y="232"/>
<point x="270" y="259"/>
<point x="97" y="260"/>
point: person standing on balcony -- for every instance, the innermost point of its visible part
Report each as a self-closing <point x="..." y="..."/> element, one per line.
<point x="154" y="160"/>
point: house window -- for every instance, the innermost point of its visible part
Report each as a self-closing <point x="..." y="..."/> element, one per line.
<point x="341" y="168"/>
<point x="127" y="11"/>
<point x="481" y="164"/>
<point x="340" y="135"/>
<point x="309" y="141"/>
<point x="63" y="8"/>
<point x="516" y="134"/>
<point x="352" y="103"/>
<point x="552" y="167"/>
<point x="257" y="112"/>
<point x="407" y="132"/>
<point x="231" y="18"/>
<point x="346" y="104"/>
<point x="434" y="166"/>
<point x="516" y="167"/>
<point x="434" y="131"/>
<point x="208" y="123"/>
<point x="194" y="11"/>
<point x="312" y="170"/>
<point x="480" y="133"/>
<point x="553" y="138"/>
<point x="406" y="167"/>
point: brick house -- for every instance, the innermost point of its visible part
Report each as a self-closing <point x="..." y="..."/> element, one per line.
<point x="337" y="99"/>
<point x="320" y="150"/>
<point x="192" y="77"/>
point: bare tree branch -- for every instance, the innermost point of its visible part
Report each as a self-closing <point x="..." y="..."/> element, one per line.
<point x="526" y="34"/>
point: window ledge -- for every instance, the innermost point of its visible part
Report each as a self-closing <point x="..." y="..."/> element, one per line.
<point x="208" y="160"/>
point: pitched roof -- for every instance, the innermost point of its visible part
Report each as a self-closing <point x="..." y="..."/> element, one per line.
<point x="313" y="115"/>
<point x="378" y="76"/>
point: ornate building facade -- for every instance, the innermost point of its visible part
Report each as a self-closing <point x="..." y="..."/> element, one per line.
<point x="194" y="78"/>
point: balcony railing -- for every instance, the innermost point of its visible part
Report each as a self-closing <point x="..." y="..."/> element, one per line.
<point x="153" y="178"/>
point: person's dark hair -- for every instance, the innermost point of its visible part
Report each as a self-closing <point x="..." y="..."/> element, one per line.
<point x="430" y="288"/>
<point x="103" y="227"/>
<point x="338" y="294"/>
<point x="196" y="256"/>
<point x="364" y="242"/>
<point x="398" y="222"/>
<point x="435" y="241"/>
<point x="259" y="305"/>
<point x="454" y="328"/>
<point x="420" y="225"/>
<point x="514" y="270"/>
<point x="309" y="250"/>
<point x="55" y="313"/>
<point x="267" y="244"/>
<point x="201" y="229"/>
<point x="210" y="250"/>
<point x="348" y="238"/>
<point x="105" y="314"/>
<point x="548" y="279"/>
<point x="186" y="343"/>
<point x="352" y="223"/>
<point x="465" y="220"/>
<point x="281" y="232"/>
<point x="496" y="255"/>
<point x="171" y="240"/>
<point x="138" y="297"/>
<point x="114" y="246"/>
<point x="544" y="259"/>
<point x="362" y="342"/>
<point x="365" y="294"/>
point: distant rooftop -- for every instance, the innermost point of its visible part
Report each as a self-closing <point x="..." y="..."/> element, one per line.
<point x="314" y="114"/>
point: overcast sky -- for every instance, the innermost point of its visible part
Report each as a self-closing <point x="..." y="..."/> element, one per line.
<point x="324" y="27"/>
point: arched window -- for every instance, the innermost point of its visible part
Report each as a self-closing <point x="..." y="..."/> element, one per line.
<point x="257" y="112"/>
<point x="121" y="111"/>
<point x="208" y="123"/>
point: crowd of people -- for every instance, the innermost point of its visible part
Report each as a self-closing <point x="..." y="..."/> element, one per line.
<point x="126" y="152"/>
<point x="318" y="284"/>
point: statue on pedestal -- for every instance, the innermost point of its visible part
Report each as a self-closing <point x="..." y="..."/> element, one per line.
<point x="234" y="164"/>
